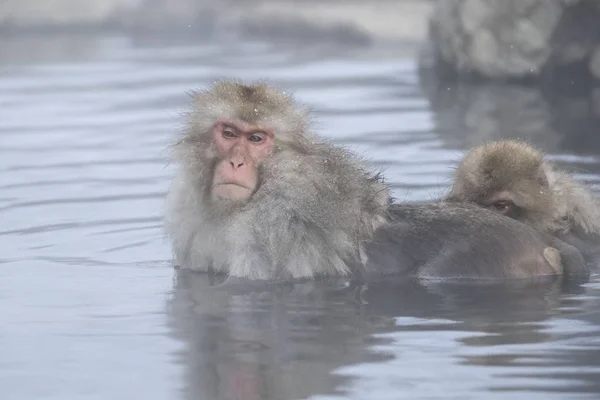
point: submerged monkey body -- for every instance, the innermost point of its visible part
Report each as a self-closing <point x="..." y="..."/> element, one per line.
<point x="438" y="240"/>
<point x="257" y="195"/>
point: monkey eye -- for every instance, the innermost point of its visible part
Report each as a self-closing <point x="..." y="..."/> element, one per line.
<point x="502" y="206"/>
<point x="228" y="133"/>
<point x="256" y="138"/>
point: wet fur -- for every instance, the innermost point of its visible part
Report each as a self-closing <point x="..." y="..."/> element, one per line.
<point x="461" y="241"/>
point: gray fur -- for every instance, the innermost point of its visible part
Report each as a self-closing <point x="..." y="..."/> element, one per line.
<point x="464" y="241"/>
<point x="319" y="211"/>
<point x="575" y="204"/>
<point x="315" y="207"/>
<point x="549" y="199"/>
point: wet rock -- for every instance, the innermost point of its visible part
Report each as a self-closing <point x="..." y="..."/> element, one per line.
<point x="514" y="39"/>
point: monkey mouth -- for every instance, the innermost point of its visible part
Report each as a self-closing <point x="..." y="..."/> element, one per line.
<point x="232" y="184"/>
<point x="232" y="190"/>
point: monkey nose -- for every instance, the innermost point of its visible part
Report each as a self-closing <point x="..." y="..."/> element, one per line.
<point x="236" y="164"/>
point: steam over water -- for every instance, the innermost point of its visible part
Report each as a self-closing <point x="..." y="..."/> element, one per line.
<point x="91" y="307"/>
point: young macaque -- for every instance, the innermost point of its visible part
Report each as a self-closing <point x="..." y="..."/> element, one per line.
<point x="513" y="178"/>
<point x="257" y="195"/>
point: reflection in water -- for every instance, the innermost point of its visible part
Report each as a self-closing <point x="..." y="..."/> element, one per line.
<point x="395" y="339"/>
<point x="556" y="120"/>
<point x="269" y="344"/>
<point x="85" y="271"/>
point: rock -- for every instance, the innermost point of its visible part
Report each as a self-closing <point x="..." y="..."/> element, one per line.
<point x="514" y="39"/>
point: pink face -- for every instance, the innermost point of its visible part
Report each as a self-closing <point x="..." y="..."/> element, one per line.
<point x="242" y="148"/>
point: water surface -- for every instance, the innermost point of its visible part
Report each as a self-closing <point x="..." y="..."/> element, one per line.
<point x="92" y="309"/>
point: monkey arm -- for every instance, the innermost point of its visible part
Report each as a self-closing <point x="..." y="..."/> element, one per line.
<point x="282" y="236"/>
<point x="185" y="224"/>
<point x="282" y="245"/>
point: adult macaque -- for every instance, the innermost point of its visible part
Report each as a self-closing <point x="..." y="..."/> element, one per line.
<point x="512" y="178"/>
<point x="257" y="195"/>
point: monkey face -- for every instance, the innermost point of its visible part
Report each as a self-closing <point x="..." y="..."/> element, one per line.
<point x="241" y="148"/>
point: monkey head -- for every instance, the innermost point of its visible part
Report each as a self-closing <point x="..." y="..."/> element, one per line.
<point x="509" y="177"/>
<point x="233" y="130"/>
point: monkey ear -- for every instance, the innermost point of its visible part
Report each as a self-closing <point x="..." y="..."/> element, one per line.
<point x="542" y="178"/>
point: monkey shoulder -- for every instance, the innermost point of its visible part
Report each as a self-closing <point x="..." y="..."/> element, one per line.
<point x="576" y="206"/>
<point x="326" y="177"/>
